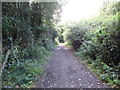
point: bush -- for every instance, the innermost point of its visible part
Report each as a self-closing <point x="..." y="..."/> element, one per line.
<point x="24" y="74"/>
<point x="101" y="44"/>
<point x="73" y="34"/>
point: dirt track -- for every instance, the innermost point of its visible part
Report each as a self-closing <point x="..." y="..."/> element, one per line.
<point x="65" y="71"/>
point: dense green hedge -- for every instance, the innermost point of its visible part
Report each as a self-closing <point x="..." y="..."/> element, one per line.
<point x="101" y="46"/>
<point x="29" y="34"/>
<point x="103" y="40"/>
<point x="25" y="72"/>
<point x="99" y="42"/>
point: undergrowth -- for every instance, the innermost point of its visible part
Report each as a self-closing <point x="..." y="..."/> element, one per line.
<point x="109" y="75"/>
<point x="23" y="74"/>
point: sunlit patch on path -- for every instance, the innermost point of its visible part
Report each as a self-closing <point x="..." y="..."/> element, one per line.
<point x="65" y="71"/>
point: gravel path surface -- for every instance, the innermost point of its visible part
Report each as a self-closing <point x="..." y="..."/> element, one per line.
<point x="65" y="71"/>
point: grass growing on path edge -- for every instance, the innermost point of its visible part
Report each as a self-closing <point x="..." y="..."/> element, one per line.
<point x="103" y="71"/>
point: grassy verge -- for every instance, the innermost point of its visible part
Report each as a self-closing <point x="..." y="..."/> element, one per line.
<point x="109" y="75"/>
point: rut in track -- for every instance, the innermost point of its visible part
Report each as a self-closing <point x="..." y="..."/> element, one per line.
<point x="65" y="71"/>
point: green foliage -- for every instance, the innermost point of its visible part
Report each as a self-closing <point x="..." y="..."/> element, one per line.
<point x="29" y="33"/>
<point x="110" y="8"/>
<point x="73" y="32"/>
<point x="25" y="73"/>
<point x="103" y="41"/>
<point x="100" y="42"/>
<point x="60" y="30"/>
<point x="107" y="74"/>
